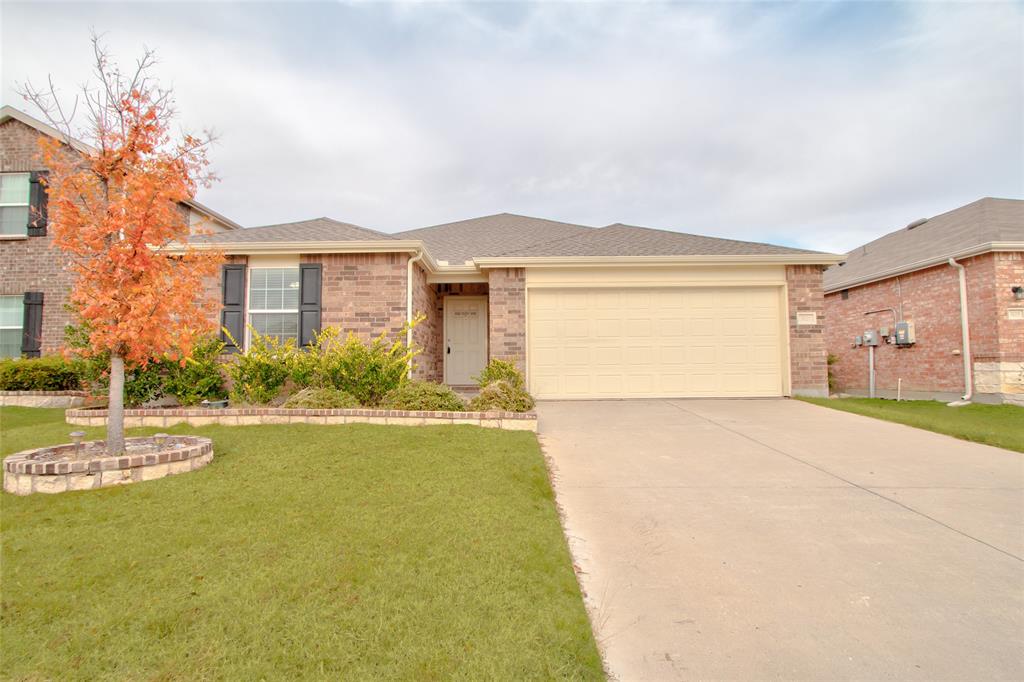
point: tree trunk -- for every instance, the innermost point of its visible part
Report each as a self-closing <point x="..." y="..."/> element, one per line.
<point x="115" y="409"/>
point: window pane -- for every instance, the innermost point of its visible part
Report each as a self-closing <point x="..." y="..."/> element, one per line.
<point x="281" y="325"/>
<point x="14" y="188"/>
<point x="10" y="343"/>
<point x="13" y="219"/>
<point x="274" y="289"/>
<point x="12" y="313"/>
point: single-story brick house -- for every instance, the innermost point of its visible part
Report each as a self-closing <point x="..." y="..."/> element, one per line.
<point x="907" y="275"/>
<point x="34" y="282"/>
<point x="586" y="312"/>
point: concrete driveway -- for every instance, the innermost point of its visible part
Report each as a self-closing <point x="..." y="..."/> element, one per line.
<point x="773" y="539"/>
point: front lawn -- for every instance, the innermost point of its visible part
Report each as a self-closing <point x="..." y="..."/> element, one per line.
<point x="339" y="552"/>
<point x="999" y="425"/>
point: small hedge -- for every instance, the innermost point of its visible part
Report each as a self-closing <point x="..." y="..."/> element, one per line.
<point x="321" y="399"/>
<point x="51" y="373"/>
<point x="424" y="395"/>
<point x="503" y="396"/>
<point x="500" y="370"/>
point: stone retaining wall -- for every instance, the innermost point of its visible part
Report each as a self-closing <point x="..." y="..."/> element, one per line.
<point x="23" y="475"/>
<point x="515" y="421"/>
<point x="42" y="398"/>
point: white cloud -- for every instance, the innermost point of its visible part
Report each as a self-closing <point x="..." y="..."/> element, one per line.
<point x="816" y="125"/>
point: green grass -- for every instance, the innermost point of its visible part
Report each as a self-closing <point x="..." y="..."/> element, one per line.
<point x="330" y="552"/>
<point x="998" y="425"/>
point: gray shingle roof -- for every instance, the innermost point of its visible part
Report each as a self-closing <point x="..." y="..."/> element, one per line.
<point x="315" y="230"/>
<point x="629" y="240"/>
<point x="493" y="235"/>
<point x="980" y="222"/>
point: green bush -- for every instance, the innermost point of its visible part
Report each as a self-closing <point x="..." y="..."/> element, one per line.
<point x="503" y="396"/>
<point x="500" y="370"/>
<point x="200" y="377"/>
<point x="367" y="371"/>
<point x="321" y="399"/>
<point x="424" y="395"/>
<point x="142" y="384"/>
<point x="50" y="373"/>
<point x="259" y="373"/>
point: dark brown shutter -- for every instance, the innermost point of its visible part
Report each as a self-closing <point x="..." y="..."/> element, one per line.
<point x="232" y="316"/>
<point x="37" y="194"/>
<point x="309" y="302"/>
<point x="32" y="327"/>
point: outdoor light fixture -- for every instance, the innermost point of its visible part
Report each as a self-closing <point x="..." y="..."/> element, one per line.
<point x="160" y="439"/>
<point x="1018" y="292"/>
<point x="76" y="437"/>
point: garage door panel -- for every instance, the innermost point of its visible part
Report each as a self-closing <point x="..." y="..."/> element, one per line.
<point x="600" y="343"/>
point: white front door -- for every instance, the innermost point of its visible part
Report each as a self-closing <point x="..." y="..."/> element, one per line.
<point x="465" y="329"/>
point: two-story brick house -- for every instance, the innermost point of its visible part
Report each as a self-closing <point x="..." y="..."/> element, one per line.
<point x="34" y="282"/>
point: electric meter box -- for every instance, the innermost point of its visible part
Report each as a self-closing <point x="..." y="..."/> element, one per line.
<point x="905" y="334"/>
<point x="870" y="337"/>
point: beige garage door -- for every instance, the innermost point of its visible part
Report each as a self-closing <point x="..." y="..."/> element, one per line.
<point x="664" y="342"/>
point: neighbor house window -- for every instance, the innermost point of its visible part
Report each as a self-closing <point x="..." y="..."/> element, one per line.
<point x="12" y="316"/>
<point x="274" y="301"/>
<point x="14" y="200"/>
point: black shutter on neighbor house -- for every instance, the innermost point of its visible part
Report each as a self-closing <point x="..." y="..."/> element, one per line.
<point x="32" y="327"/>
<point x="309" y="302"/>
<point x="37" y="218"/>
<point x="232" y="316"/>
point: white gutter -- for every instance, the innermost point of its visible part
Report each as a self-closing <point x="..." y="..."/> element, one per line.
<point x="965" y="331"/>
<point x="618" y="261"/>
<point x="408" y="302"/>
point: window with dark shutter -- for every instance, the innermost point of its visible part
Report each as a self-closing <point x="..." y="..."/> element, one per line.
<point x="309" y="302"/>
<point x="32" y="331"/>
<point x="37" y="214"/>
<point x="232" y="316"/>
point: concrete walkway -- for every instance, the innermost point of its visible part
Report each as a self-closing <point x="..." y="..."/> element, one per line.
<point x="777" y="540"/>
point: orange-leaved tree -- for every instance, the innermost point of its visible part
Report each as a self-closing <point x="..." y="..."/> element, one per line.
<point x="115" y="209"/>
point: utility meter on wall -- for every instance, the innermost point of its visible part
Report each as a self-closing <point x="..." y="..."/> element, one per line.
<point x="870" y="337"/>
<point x="905" y="334"/>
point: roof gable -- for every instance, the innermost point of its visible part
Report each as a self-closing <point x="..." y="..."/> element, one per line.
<point x="315" y="230"/>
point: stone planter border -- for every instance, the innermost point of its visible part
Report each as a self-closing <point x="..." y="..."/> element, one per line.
<point x="24" y="476"/>
<point x="42" y="398"/>
<point x="164" y="417"/>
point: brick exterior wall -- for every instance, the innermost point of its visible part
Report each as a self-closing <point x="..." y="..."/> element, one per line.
<point x="807" y="355"/>
<point x="362" y="292"/>
<point x="32" y="264"/>
<point x="506" y="312"/>
<point x="933" y="367"/>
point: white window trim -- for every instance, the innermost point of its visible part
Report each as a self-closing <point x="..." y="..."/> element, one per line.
<point x="27" y="202"/>
<point x="248" y="298"/>
<point x="20" y="327"/>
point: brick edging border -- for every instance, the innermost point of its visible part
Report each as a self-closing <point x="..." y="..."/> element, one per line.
<point x="43" y="398"/>
<point x="164" y="417"/>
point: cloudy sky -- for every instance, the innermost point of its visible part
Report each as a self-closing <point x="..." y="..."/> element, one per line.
<point x="815" y="124"/>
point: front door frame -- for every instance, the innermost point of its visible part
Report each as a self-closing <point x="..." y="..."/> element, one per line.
<point x="444" y="331"/>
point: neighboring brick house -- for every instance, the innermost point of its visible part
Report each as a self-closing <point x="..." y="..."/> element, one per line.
<point x="906" y="276"/>
<point x="612" y="312"/>
<point x="34" y="280"/>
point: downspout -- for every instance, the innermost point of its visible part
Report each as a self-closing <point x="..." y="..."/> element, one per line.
<point x="965" y="330"/>
<point x="408" y="302"/>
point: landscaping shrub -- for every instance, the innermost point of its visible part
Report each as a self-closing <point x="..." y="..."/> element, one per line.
<point x="141" y="384"/>
<point x="367" y="371"/>
<point x="321" y="399"/>
<point x="500" y="370"/>
<point x="424" y="395"/>
<point x="259" y="373"/>
<point x="833" y="382"/>
<point x="200" y="377"/>
<point x="51" y="373"/>
<point x="503" y="396"/>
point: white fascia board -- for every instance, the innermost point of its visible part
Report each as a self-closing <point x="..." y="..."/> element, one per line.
<point x="632" y="261"/>
<point x="924" y="264"/>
